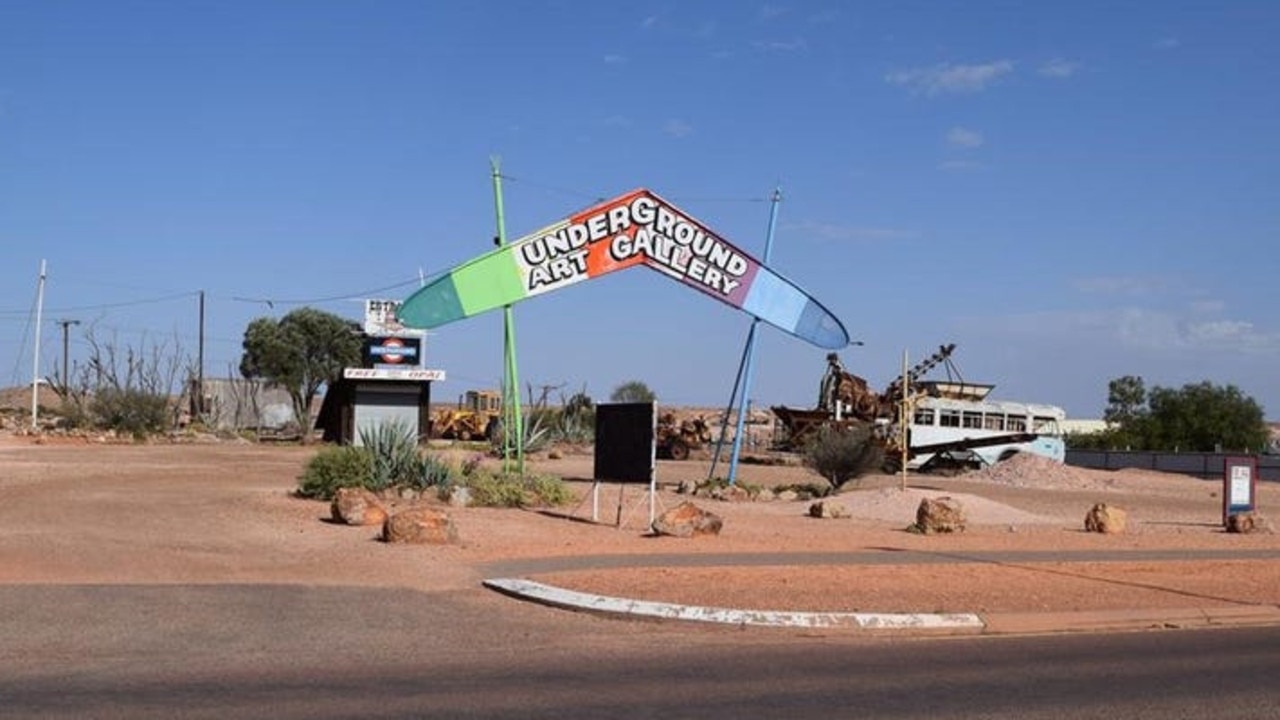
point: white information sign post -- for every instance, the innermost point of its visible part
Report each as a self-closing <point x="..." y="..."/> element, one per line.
<point x="1239" y="486"/>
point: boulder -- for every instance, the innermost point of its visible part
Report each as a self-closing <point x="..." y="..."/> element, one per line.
<point x="939" y="515"/>
<point x="1104" y="518"/>
<point x="460" y="496"/>
<point x="420" y="526"/>
<point x="1246" y="523"/>
<point x="687" y="520"/>
<point x="828" y="510"/>
<point x="786" y="495"/>
<point x="731" y="493"/>
<point x="357" y="506"/>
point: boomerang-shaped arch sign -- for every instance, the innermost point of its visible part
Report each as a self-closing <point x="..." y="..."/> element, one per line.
<point x="638" y="228"/>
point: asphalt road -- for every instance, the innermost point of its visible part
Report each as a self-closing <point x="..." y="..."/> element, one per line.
<point x="332" y="652"/>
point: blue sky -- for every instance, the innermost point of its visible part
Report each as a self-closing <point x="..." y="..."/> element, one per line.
<point x="1069" y="191"/>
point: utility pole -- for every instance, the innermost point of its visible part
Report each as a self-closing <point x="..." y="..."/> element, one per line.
<point x="35" y="355"/>
<point x="66" y="369"/>
<point x="199" y="388"/>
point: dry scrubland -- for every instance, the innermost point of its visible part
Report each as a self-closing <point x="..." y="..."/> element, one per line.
<point x="79" y="511"/>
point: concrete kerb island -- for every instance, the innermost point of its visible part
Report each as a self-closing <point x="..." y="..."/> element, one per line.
<point x="948" y="623"/>
<point x="603" y="604"/>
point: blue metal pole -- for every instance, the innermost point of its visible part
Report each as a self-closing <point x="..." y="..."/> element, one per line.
<point x="750" y="350"/>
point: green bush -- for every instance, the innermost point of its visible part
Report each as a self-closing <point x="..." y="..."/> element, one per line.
<point x="130" y="411"/>
<point x="333" y="468"/>
<point x="842" y="454"/>
<point x="488" y="490"/>
<point x="549" y="490"/>
<point x="496" y="490"/>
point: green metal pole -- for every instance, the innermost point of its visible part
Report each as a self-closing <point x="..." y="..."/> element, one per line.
<point x="512" y="418"/>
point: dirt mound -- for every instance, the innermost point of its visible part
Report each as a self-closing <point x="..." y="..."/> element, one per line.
<point x="899" y="505"/>
<point x="1028" y="470"/>
<point x="19" y="398"/>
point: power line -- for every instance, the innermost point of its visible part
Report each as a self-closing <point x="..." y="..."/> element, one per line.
<point x="272" y="302"/>
<point x="108" y="306"/>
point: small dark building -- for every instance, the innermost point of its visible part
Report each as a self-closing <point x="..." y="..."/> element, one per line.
<point x="391" y="386"/>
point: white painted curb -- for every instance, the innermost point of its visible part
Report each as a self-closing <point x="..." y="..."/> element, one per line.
<point x="559" y="597"/>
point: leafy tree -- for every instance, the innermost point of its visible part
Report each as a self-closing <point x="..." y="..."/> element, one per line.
<point x="300" y="352"/>
<point x="1198" y="417"/>
<point x="1126" y="399"/>
<point x="1126" y="412"/>
<point x="633" y="391"/>
<point x="1204" y="417"/>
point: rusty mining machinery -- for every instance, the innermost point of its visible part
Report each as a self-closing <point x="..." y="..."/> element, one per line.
<point x="845" y="399"/>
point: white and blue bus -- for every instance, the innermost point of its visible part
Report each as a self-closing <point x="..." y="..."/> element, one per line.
<point x="939" y="420"/>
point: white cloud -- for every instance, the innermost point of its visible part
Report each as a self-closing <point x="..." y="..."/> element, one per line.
<point x="959" y="165"/>
<point x="677" y="128"/>
<point x="1221" y="331"/>
<point x="1059" y="68"/>
<point x="793" y="45"/>
<point x="649" y="22"/>
<point x="769" y="12"/>
<point x="964" y="138"/>
<point x="614" y="59"/>
<point x="946" y="78"/>
<point x="1138" y="328"/>
<point x="1120" y="285"/>
<point x="1166" y="43"/>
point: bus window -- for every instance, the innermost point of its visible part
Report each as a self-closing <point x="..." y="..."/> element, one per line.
<point x="1016" y="423"/>
<point x="993" y="421"/>
<point x="949" y="418"/>
<point x="1045" y="425"/>
<point x="924" y="416"/>
<point x="971" y="419"/>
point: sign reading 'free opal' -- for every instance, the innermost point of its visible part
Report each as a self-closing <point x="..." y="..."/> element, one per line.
<point x="638" y="228"/>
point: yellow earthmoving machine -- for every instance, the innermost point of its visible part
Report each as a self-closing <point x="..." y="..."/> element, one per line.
<point x="477" y="416"/>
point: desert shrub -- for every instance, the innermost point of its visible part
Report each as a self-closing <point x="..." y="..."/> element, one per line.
<point x="430" y="471"/>
<point x="499" y="490"/>
<point x="537" y="432"/>
<point x="333" y="468"/>
<point x="394" y="452"/>
<point x="132" y="411"/>
<point x="576" y="422"/>
<point x="842" y="454"/>
<point x="805" y="491"/>
<point x="549" y="490"/>
<point x="706" y="487"/>
<point x="489" y="490"/>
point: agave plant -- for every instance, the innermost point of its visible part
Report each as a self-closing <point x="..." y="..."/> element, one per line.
<point x="394" y="450"/>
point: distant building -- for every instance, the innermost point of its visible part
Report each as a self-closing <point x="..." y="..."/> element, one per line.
<point x="1082" y="426"/>
<point x="243" y="404"/>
